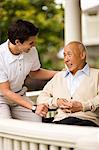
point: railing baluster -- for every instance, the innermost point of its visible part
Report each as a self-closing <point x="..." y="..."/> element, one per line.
<point x="43" y="147"/>
<point x="51" y="147"/>
<point x="1" y="143"/>
<point x="65" y="148"/>
<point x="17" y="145"/>
<point x="24" y="146"/>
<point x="34" y="146"/>
<point x="7" y="144"/>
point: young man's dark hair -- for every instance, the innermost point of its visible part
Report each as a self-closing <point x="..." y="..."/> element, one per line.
<point x="21" y="30"/>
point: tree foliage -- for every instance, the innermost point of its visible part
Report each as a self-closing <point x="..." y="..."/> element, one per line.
<point x="47" y="16"/>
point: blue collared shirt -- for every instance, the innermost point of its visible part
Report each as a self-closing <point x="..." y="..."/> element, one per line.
<point x="73" y="81"/>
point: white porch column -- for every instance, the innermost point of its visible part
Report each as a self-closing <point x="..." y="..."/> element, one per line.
<point x="72" y="21"/>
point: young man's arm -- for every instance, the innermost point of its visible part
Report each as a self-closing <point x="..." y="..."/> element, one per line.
<point x="18" y="99"/>
<point x="42" y="74"/>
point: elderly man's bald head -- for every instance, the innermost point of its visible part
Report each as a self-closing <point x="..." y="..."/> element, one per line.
<point x="80" y="46"/>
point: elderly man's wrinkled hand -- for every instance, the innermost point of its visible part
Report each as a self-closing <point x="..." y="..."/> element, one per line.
<point x="76" y="106"/>
<point x="63" y="103"/>
<point x="69" y="106"/>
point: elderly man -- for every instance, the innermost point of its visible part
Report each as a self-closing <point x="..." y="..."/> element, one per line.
<point x="75" y="91"/>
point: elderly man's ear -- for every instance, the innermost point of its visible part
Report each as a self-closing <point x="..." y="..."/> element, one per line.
<point x="83" y="55"/>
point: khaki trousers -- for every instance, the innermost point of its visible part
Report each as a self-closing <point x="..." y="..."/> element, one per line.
<point x="11" y="110"/>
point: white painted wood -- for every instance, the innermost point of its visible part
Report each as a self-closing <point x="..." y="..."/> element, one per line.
<point x="53" y="147"/>
<point x="7" y="144"/>
<point x="33" y="93"/>
<point x="1" y="143"/>
<point x="46" y="134"/>
<point x="16" y="145"/>
<point x="34" y="146"/>
<point x="43" y="147"/>
<point x="24" y="145"/>
<point x="72" y="21"/>
<point x="64" y="148"/>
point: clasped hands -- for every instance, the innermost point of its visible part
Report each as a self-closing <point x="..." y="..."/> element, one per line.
<point x="65" y="105"/>
<point x="69" y="106"/>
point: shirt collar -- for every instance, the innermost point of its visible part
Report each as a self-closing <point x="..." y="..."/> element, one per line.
<point x="85" y="70"/>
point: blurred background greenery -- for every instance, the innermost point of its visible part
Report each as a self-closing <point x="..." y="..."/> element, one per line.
<point x="48" y="16"/>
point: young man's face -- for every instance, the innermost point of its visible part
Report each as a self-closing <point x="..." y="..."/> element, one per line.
<point x="26" y="45"/>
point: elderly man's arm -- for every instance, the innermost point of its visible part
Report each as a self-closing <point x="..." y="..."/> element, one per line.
<point x="46" y="96"/>
<point x="91" y="104"/>
<point x="76" y="106"/>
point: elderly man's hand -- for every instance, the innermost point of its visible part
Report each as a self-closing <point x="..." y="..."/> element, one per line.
<point x="64" y="104"/>
<point x="42" y="110"/>
<point x="76" y="106"/>
<point x="69" y="106"/>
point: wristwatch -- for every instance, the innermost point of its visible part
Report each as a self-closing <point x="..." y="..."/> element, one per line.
<point x="34" y="108"/>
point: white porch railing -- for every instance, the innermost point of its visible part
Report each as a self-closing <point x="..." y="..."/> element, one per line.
<point x="21" y="135"/>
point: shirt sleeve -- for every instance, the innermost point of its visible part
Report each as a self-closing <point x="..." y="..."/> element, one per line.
<point x="3" y="74"/>
<point x="36" y="63"/>
<point x="46" y="96"/>
<point x="93" y="103"/>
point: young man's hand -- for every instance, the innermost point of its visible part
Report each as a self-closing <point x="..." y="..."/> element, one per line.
<point x="42" y="110"/>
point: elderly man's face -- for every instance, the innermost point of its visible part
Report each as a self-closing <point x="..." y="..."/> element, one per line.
<point x="74" y="58"/>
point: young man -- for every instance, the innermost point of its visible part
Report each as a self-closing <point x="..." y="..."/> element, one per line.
<point x="75" y="91"/>
<point x="18" y="58"/>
